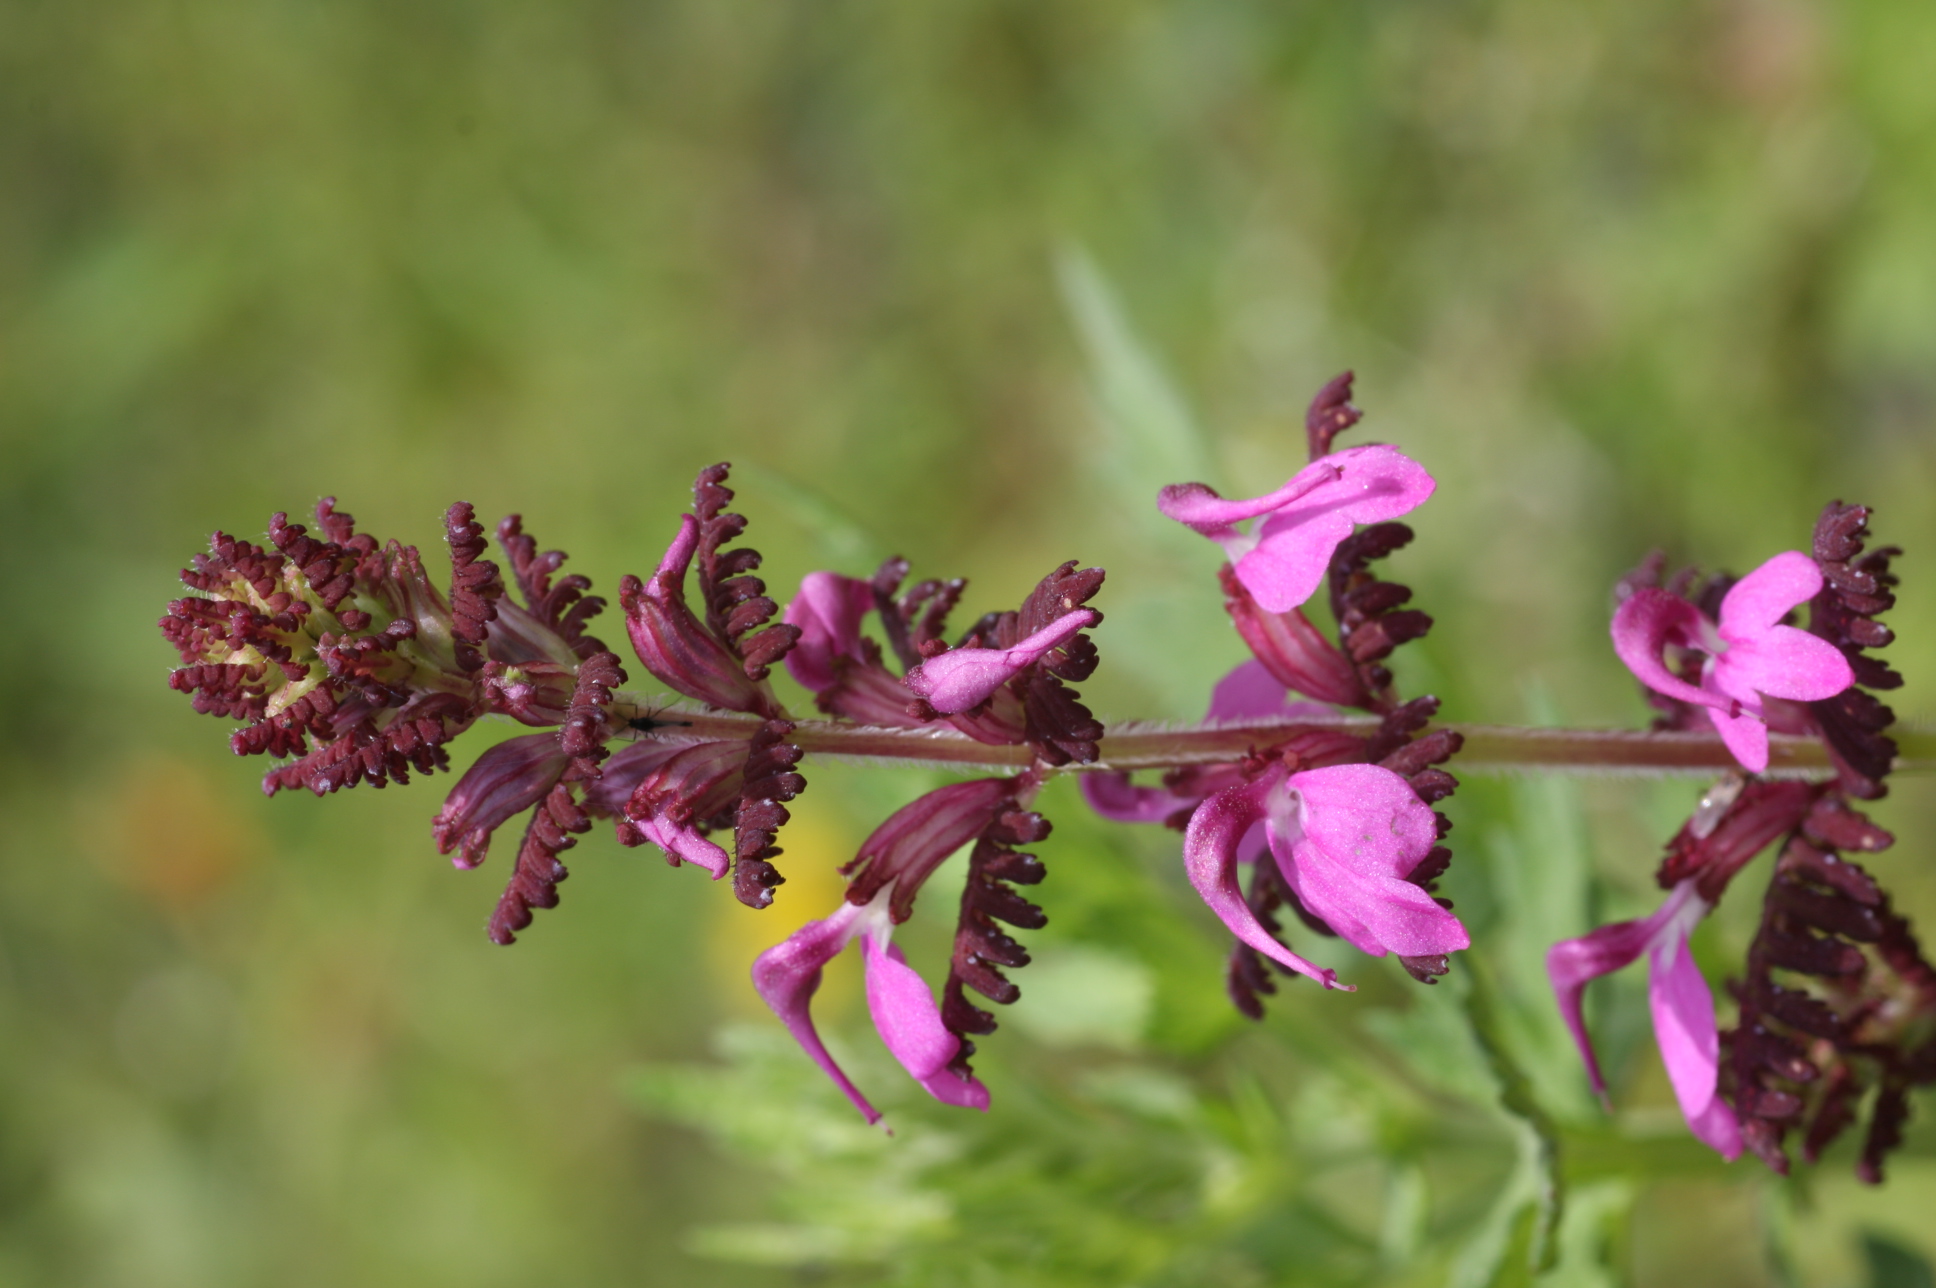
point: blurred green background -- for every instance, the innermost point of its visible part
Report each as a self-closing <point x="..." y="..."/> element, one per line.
<point x="962" y="281"/>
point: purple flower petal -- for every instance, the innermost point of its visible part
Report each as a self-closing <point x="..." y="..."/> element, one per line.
<point x="1210" y="848"/>
<point x="961" y="678"/>
<point x="1251" y="691"/>
<point x="952" y="1088"/>
<point x="1572" y="964"/>
<point x="627" y="768"/>
<point x="788" y="974"/>
<point x="1283" y="561"/>
<point x="1359" y="831"/>
<point x="1785" y="662"/>
<point x="1746" y="738"/>
<point x="674" y="645"/>
<point x="1293" y="650"/>
<point x="1684" y="1029"/>
<point x="1295" y="543"/>
<point x="1754" y="605"/>
<point x="1717" y="1128"/>
<point x="915" y="839"/>
<point x="683" y="843"/>
<point x="904" y="1011"/>
<point x="828" y="610"/>
<point x="1643" y="626"/>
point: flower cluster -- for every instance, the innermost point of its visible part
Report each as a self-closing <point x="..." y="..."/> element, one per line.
<point x="1344" y="818"/>
<point x="1308" y="790"/>
<point x="1836" y="998"/>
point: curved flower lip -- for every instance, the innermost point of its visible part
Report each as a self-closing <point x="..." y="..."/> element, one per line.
<point x="1571" y="964"/>
<point x="695" y="781"/>
<point x="1351" y="837"/>
<point x="898" y="1000"/>
<point x="1678" y="997"/>
<point x="828" y="610"/>
<point x="1282" y="562"/>
<point x="787" y="975"/>
<point x="962" y="678"/>
<point x="1210" y="848"/>
<point x="1750" y="653"/>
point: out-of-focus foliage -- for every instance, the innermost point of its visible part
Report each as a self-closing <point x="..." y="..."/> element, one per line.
<point x="1621" y="274"/>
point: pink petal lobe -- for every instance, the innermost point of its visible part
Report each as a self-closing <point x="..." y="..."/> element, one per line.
<point x="961" y="678"/>
<point x="1717" y="1128"/>
<point x="682" y="842"/>
<point x="1296" y="541"/>
<point x="1365" y="816"/>
<point x="1746" y="738"/>
<point x="1198" y="507"/>
<point x="1572" y="964"/>
<point x="1784" y="662"/>
<point x="1210" y="858"/>
<point x="1374" y="914"/>
<point x="828" y="610"/>
<point x="952" y="1088"/>
<point x="1643" y="626"/>
<point x="1359" y="830"/>
<point x="786" y="977"/>
<point x="904" y="1011"/>
<point x="1756" y="603"/>
<point x="1684" y="1027"/>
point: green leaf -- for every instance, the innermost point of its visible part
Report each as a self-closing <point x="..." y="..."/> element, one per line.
<point x="1151" y="437"/>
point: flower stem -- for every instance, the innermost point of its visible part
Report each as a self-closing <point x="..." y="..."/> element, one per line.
<point x="1134" y="745"/>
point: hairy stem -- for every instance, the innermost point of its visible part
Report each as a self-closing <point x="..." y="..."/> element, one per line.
<point x="1488" y="748"/>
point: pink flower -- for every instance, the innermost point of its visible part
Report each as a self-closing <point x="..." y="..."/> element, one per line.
<point x="1748" y="655"/>
<point x="1683" y="1009"/>
<point x="904" y="1011"/>
<point x="828" y="610"/>
<point x="961" y="678"/>
<point x="1346" y="838"/>
<point x="1283" y="559"/>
